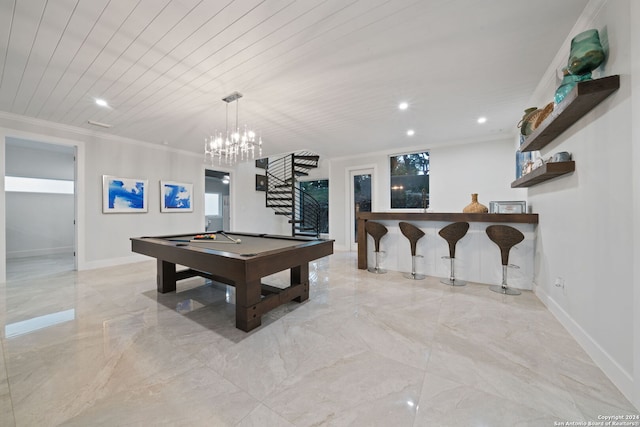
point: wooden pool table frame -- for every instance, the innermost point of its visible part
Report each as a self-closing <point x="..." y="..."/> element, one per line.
<point x="245" y="273"/>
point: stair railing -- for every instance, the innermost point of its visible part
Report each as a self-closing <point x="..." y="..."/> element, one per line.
<point x="286" y="198"/>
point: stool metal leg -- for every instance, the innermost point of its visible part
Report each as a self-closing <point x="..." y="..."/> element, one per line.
<point x="452" y="281"/>
<point x="413" y="275"/>
<point x="376" y="269"/>
<point x="503" y="288"/>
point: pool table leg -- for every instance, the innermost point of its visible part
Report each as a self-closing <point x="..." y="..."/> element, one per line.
<point x="300" y="275"/>
<point x="248" y="314"/>
<point x="166" y="277"/>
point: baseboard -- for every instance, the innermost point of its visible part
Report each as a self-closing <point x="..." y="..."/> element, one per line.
<point x="612" y="369"/>
<point x="112" y="262"/>
<point x="40" y="252"/>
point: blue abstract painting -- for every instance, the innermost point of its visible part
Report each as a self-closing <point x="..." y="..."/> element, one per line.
<point x="121" y="195"/>
<point x="176" y="197"/>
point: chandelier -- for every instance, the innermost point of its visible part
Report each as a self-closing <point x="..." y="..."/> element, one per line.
<point x="229" y="146"/>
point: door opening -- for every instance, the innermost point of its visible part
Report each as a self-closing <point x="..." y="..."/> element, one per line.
<point x="40" y="208"/>
<point x="216" y="200"/>
<point x="361" y="200"/>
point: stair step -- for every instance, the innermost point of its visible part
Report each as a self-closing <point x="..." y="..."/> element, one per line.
<point x="304" y="157"/>
<point x="283" y="213"/>
<point x="296" y="221"/>
<point x="279" y="206"/>
<point x="305" y="228"/>
<point x="306" y="234"/>
<point x="301" y="173"/>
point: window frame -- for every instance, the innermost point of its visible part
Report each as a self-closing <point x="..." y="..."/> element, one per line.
<point x="391" y="185"/>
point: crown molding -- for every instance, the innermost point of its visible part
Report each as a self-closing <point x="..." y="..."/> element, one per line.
<point x="17" y="122"/>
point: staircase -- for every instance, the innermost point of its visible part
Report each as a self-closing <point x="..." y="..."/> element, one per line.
<point x="286" y="198"/>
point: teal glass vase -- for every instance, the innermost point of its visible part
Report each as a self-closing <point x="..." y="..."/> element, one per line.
<point x="586" y="53"/>
<point x="569" y="81"/>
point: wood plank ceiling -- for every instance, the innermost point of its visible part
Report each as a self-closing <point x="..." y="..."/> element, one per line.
<point x="324" y="75"/>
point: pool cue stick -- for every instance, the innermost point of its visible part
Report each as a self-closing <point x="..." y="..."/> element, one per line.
<point x="230" y="238"/>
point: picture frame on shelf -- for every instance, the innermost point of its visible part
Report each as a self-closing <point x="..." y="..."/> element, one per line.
<point x="124" y="195"/>
<point x="508" y="207"/>
<point x="176" y="196"/>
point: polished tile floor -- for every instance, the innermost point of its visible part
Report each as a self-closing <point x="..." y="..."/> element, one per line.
<point x="102" y="348"/>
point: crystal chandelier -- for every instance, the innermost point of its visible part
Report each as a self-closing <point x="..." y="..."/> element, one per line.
<point x="229" y="146"/>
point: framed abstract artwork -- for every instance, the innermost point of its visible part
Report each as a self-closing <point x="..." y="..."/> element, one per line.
<point x="176" y="197"/>
<point x="124" y="195"/>
<point x="262" y="163"/>
<point x="261" y="183"/>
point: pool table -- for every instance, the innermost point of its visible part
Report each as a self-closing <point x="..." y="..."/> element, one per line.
<point x="241" y="265"/>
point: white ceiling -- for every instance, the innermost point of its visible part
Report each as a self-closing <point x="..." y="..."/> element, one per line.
<point x="320" y="75"/>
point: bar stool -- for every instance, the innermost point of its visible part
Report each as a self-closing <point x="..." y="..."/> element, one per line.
<point x="505" y="237"/>
<point x="414" y="234"/>
<point x="376" y="230"/>
<point x="452" y="233"/>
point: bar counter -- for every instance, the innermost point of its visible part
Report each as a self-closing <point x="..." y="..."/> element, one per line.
<point x="477" y="258"/>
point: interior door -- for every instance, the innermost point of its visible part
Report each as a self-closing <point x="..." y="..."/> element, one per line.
<point x="361" y="200"/>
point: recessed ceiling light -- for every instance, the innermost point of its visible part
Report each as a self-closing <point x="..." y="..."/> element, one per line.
<point x="482" y="120"/>
<point x="101" y="102"/>
<point x="411" y="132"/>
<point x="403" y="105"/>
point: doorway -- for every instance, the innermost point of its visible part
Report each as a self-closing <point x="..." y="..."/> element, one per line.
<point x="216" y="200"/>
<point x="40" y="206"/>
<point x="361" y="200"/>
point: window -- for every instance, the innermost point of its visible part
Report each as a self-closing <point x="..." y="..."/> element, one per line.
<point x="319" y="190"/>
<point x="37" y="185"/>
<point x="212" y="204"/>
<point x="410" y="181"/>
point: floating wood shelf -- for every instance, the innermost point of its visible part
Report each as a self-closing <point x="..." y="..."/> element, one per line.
<point x="546" y="172"/>
<point x="582" y="99"/>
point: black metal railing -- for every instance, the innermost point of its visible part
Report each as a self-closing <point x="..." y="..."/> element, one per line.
<point x="286" y="198"/>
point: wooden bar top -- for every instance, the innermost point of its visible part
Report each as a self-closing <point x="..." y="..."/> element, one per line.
<point x="450" y="216"/>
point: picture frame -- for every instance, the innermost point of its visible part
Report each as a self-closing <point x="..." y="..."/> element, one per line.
<point x="262" y="163"/>
<point x="508" y="207"/>
<point x="124" y="195"/>
<point x="176" y="196"/>
<point x="261" y="182"/>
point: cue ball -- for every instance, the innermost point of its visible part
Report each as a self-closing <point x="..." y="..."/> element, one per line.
<point x="238" y="240"/>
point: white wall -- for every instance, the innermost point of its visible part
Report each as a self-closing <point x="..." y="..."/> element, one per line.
<point x="586" y="225"/>
<point x="456" y="171"/>
<point x="142" y="161"/>
<point x="103" y="239"/>
<point x="39" y="224"/>
<point x="486" y="168"/>
<point x="635" y="179"/>
<point x="248" y="206"/>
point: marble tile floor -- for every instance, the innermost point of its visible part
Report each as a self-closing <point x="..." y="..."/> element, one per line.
<point x="39" y="266"/>
<point x="102" y="348"/>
